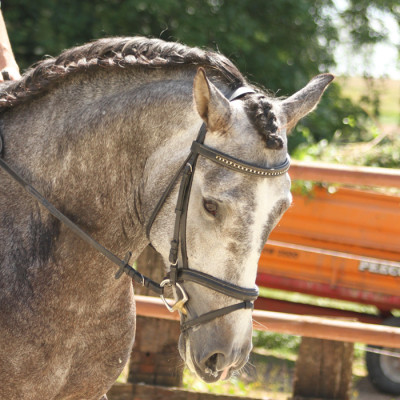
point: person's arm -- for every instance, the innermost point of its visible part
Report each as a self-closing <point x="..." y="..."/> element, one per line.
<point x="7" y="60"/>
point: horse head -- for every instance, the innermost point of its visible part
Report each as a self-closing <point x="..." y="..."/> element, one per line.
<point x="230" y="215"/>
<point x="100" y="131"/>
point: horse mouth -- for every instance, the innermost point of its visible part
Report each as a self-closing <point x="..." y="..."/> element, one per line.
<point x="210" y="376"/>
<point x="209" y="373"/>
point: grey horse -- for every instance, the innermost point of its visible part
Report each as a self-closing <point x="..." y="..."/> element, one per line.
<point x="100" y="131"/>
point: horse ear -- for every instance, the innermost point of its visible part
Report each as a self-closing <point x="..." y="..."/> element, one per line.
<point x="305" y="100"/>
<point x="211" y="104"/>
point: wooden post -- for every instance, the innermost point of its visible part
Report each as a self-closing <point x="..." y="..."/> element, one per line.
<point x="155" y="358"/>
<point x="323" y="370"/>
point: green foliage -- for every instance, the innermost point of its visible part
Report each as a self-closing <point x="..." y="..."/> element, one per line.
<point x="276" y="341"/>
<point x="278" y="44"/>
<point x="364" y="28"/>
<point x="384" y="154"/>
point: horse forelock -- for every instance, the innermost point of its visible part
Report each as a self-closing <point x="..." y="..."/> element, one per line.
<point x="116" y="53"/>
<point x="261" y="114"/>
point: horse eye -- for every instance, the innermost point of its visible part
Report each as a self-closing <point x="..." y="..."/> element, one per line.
<point x="211" y="207"/>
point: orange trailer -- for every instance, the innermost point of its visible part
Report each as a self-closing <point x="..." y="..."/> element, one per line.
<point x="342" y="244"/>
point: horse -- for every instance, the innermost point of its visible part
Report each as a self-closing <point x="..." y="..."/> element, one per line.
<point x="99" y="132"/>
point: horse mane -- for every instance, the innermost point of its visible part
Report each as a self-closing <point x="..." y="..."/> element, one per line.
<point x="114" y="53"/>
<point x="123" y="52"/>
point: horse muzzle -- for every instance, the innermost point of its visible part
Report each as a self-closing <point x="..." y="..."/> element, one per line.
<point x="211" y="354"/>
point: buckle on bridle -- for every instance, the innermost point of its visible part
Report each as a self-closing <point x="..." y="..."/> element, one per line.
<point x="180" y="304"/>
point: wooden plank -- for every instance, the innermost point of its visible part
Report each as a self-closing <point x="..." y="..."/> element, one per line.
<point x="121" y="391"/>
<point x="322" y="328"/>
<point x="283" y="306"/>
<point x="334" y="173"/>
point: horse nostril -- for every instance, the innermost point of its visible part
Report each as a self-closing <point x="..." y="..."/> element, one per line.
<point x="213" y="362"/>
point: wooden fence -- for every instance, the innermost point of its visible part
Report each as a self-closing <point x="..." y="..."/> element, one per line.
<point x="323" y="369"/>
<point x="309" y="326"/>
<point x="324" y="365"/>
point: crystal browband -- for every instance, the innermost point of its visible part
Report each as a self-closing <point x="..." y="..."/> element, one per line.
<point x="237" y="165"/>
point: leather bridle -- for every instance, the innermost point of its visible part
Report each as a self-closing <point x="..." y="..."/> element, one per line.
<point x="181" y="273"/>
<point x="178" y="273"/>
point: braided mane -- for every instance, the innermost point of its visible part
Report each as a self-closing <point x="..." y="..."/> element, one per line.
<point x="263" y="118"/>
<point x="138" y="51"/>
<point x="114" y="53"/>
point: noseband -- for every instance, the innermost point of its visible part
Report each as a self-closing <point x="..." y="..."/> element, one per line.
<point x="181" y="273"/>
<point x="178" y="273"/>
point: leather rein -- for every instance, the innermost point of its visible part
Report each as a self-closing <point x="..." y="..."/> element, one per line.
<point x="177" y="273"/>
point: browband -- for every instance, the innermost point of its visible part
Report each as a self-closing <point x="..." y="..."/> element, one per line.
<point x="238" y="165"/>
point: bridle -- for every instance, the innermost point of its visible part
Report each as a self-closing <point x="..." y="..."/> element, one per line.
<point x="181" y="273"/>
<point x="178" y="273"/>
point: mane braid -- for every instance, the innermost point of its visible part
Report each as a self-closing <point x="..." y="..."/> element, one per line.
<point x="263" y="118"/>
<point x="115" y="53"/>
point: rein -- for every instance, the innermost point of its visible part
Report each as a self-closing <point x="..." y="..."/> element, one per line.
<point x="177" y="274"/>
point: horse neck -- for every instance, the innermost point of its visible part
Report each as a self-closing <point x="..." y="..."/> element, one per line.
<point x="94" y="146"/>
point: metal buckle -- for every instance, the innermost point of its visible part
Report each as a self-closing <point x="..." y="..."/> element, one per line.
<point x="180" y="304"/>
<point x="190" y="166"/>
